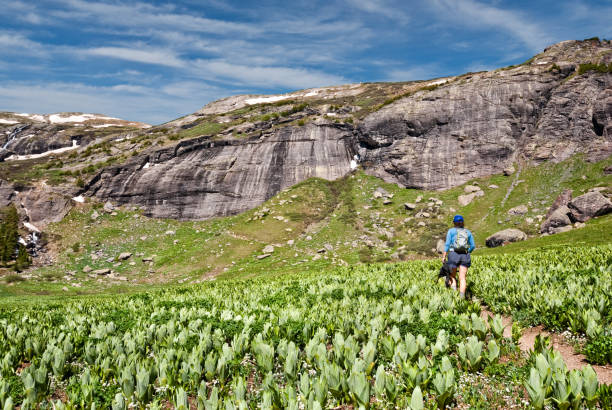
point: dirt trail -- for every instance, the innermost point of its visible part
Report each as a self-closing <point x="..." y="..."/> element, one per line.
<point x="572" y="359"/>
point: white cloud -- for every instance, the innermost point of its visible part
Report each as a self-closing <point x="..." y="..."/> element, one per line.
<point x="423" y="72"/>
<point x="383" y="8"/>
<point x="478" y="15"/>
<point x="159" y="57"/>
<point x="268" y="76"/>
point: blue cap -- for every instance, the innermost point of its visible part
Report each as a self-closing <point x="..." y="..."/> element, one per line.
<point x="458" y="218"/>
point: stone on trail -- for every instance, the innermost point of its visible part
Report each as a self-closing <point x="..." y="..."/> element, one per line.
<point x="504" y="237"/>
<point x="265" y="255"/>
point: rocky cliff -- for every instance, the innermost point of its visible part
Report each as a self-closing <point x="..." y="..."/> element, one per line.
<point x="237" y="152"/>
<point x="429" y="135"/>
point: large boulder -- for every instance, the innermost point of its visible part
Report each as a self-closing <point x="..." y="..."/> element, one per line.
<point x="559" y="218"/>
<point x="589" y="205"/>
<point x="504" y="237"/>
<point x="562" y="200"/>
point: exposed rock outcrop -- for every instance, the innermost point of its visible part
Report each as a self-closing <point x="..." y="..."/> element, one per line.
<point x="203" y="178"/>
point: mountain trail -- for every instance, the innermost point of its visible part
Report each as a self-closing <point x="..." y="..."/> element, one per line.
<point x="573" y="360"/>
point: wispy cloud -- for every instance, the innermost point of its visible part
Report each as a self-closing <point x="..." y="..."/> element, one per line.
<point x="480" y="16"/>
<point x="159" y="57"/>
<point x="268" y="76"/>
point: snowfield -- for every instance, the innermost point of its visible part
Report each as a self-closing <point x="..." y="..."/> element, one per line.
<point x="43" y="154"/>
<point x="3" y="121"/>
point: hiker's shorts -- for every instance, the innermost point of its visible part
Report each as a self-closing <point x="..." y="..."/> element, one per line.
<point x="459" y="259"/>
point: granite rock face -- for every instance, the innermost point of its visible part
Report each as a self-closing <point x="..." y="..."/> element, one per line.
<point x="440" y="134"/>
<point x="479" y="125"/>
<point x="201" y="178"/>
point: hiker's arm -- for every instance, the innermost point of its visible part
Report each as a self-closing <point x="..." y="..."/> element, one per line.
<point x="447" y="244"/>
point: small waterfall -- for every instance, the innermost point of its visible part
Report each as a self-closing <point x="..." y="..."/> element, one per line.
<point x="14" y="134"/>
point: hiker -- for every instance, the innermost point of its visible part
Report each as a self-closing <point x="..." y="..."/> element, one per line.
<point x="460" y="243"/>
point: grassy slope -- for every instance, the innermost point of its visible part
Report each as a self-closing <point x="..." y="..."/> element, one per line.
<point x="335" y="213"/>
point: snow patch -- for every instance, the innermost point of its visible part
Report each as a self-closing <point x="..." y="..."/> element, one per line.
<point x="146" y="166"/>
<point x="44" y="154"/>
<point x="58" y="119"/>
<point x="31" y="227"/>
<point x="353" y="164"/>
<point x="331" y="114"/>
<point x="35" y="117"/>
<point x="260" y="100"/>
<point x="103" y="125"/>
<point x="3" y="121"/>
<point x="542" y="62"/>
<point x="79" y="199"/>
<point x="22" y="241"/>
<point x="438" y="82"/>
<point x="311" y="94"/>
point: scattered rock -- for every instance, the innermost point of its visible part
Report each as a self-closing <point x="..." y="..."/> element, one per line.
<point x="560" y="229"/>
<point x="381" y="192"/>
<point x="409" y="206"/>
<point x="65" y="289"/>
<point x="529" y="220"/>
<point x="509" y="170"/>
<point x="268" y="249"/>
<point x="95" y="215"/>
<point x="104" y="271"/>
<point x="108" y="207"/>
<point x="608" y="170"/>
<point x="309" y="238"/>
<point x="170" y="233"/>
<point x="466" y="199"/>
<point x="328" y="247"/>
<point x="147" y="259"/>
<point x="559" y="218"/>
<point x="87" y="269"/>
<point x="493" y="186"/>
<point x="322" y="250"/>
<point x="579" y="225"/>
<point x="562" y="200"/>
<point x="506" y="236"/>
<point x="418" y="199"/>
<point x="387" y="202"/>
<point x="143" y="238"/>
<point x="589" y="205"/>
<point x="518" y="210"/>
<point x="265" y="255"/>
<point x="124" y="255"/>
<point x="471" y="188"/>
<point x="290" y="242"/>
<point x="421" y="224"/>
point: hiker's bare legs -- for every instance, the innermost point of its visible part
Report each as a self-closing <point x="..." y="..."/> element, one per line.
<point x="462" y="281"/>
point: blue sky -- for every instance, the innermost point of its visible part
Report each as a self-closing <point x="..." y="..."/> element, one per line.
<point x="155" y="61"/>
